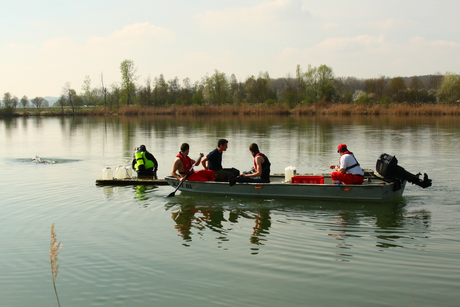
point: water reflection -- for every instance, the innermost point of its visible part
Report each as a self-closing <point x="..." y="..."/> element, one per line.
<point x="387" y="225"/>
<point x="144" y="192"/>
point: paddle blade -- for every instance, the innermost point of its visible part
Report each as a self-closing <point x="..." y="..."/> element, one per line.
<point x="171" y="194"/>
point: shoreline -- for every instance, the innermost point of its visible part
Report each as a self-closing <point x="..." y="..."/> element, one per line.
<point x="338" y="109"/>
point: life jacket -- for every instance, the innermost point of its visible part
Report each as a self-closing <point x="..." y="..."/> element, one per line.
<point x="142" y="163"/>
<point x="350" y="153"/>
<point x="186" y="161"/>
<point x="265" y="166"/>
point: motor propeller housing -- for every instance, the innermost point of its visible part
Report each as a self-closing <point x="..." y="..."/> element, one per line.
<point x="387" y="167"/>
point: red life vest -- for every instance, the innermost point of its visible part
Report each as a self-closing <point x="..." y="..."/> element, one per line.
<point x="258" y="154"/>
<point x="186" y="161"/>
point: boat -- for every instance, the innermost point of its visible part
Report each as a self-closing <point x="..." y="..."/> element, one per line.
<point x="386" y="185"/>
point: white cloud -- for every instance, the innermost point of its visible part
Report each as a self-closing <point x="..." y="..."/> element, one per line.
<point x="260" y="15"/>
<point x="390" y="24"/>
<point x="61" y="59"/>
<point x="367" y="56"/>
<point x="330" y="26"/>
<point x="139" y="33"/>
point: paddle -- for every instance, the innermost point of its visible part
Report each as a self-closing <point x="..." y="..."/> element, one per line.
<point x="172" y="194"/>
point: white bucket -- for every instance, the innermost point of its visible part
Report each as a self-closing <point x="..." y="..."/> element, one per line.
<point x="107" y="173"/>
<point x="129" y="171"/>
<point x="289" y="172"/>
<point x="121" y="172"/>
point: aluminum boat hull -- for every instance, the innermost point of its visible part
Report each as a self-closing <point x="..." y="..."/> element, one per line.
<point x="375" y="191"/>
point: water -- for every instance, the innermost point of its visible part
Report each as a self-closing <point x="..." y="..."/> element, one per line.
<point x="132" y="246"/>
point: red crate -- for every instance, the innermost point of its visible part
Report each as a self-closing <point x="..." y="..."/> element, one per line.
<point x="308" y="179"/>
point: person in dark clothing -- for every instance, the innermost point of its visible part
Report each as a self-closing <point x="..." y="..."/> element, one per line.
<point x="213" y="162"/>
<point x="260" y="173"/>
<point x="144" y="163"/>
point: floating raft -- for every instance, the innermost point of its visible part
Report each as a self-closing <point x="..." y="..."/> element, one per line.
<point x="132" y="181"/>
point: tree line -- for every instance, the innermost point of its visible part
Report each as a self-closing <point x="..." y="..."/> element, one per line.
<point x="317" y="84"/>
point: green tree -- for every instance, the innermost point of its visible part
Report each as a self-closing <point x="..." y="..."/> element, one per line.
<point x="62" y="102"/>
<point x="449" y="91"/>
<point x="216" y="89"/>
<point x="128" y="76"/>
<point x="146" y="93"/>
<point x="88" y="95"/>
<point x="9" y="100"/>
<point x="258" y="90"/>
<point x="320" y="83"/>
<point x="24" y="101"/>
<point x="160" y="92"/>
<point x="237" y="91"/>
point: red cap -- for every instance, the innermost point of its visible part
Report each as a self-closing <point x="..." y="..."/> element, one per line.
<point x="341" y="146"/>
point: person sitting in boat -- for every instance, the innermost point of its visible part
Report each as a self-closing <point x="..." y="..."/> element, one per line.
<point x="182" y="168"/>
<point x="348" y="171"/>
<point x="260" y="173"/>
<point x="213" y="161"/>
<point x="144" y="163"/>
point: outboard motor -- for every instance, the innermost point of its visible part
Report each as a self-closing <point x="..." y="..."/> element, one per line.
<point x="387" y="166"/>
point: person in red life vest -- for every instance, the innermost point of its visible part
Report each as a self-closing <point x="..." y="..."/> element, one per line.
<point x="348" y="171"/>
<point x="181" y="168"/>
<point x="260" y="173"/>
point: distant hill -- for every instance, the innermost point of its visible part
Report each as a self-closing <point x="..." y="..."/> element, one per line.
<point x="51" y="100"/>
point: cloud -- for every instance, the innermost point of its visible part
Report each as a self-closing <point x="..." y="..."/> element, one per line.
<point x="330" y="26"/>
<point x="63" y="59"/>
<point x="140" y="33"/>
<point x="390" y="24"/>
<point x="368" y="56"/>
<point x="268" y="12"/>
<point x="349" y="43"/>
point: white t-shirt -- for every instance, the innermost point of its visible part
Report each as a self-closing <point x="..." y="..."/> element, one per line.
<point x="347" y="160"/>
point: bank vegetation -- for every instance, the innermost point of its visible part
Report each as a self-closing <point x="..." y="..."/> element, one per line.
<point x="316" y="91"/>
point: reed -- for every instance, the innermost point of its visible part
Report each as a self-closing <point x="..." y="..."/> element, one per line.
<point x="54" y="252"/>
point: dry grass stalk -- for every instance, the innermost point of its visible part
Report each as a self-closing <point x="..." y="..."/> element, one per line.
<point x="54" y="252"/>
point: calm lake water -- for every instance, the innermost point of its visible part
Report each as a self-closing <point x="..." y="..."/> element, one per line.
<point x="132" y="246"/>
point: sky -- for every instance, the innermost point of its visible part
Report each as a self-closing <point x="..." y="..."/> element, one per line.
<point x="45" y="44"/>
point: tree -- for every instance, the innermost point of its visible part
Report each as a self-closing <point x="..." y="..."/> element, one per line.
<point x="435" y="81"/>
<point x="416" y="83"/>
<point x="71" y="94"/>
<point x="9" y="101"/>
<point x="449" y="91"/>
<point x="237" y="92"/>
<point x="160" y="92"/>
<point x="376" y="86"/>
<point x="62" y="102"/>
<point x="146" y="93"/>
<point x="216" y="88"/>
<point x="396" y="89"/>
<point x="320" y="83"/>
<point x="24" y="101"/>
<point x="88" y="96"/>
<point x="258" y="90"/>
<point x="128" y="76"/>
<point x="38" y="101"/>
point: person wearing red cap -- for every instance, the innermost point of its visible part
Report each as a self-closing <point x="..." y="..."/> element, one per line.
<point x="348" y="171"/>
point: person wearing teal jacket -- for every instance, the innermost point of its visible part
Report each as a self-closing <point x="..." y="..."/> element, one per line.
<point x="144" y="163"/>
